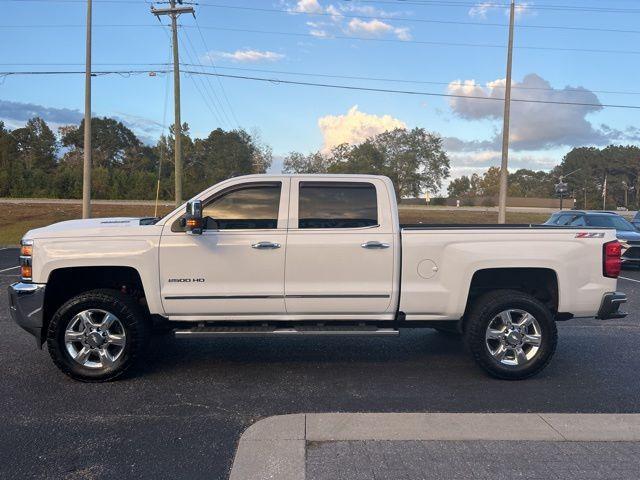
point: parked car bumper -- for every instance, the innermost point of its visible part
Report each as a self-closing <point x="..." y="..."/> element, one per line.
<point x="26" y="301"/>
<point x="631" y="253"/>
<point x="610" y="306"/>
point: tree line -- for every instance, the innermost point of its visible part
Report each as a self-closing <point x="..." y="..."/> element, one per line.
<point x="413" y="159"/>
<point x="586" y="167"/>
<point x="36" y="162"/>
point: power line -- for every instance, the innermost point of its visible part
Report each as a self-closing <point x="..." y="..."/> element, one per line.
<point x="222" y="89"/>
<point x="214" y="112"/>
<point x="410" y="92"/>
<point x="220" y="114"/>
<point x="467" y="4"/>
<point x="424" y="3"/>
<point x="416" y="20"/>
<point x="364" y="39"/>
<point x="277" y="81"/>
<point x="305" y="74"/>
<point x="424" y="42"/>
<point x="423" y="82"/>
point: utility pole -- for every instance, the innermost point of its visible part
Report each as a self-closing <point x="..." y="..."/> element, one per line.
<point x="504" y="172"/>
<point x="174" y="12"/>
<point x="86" y="171"/>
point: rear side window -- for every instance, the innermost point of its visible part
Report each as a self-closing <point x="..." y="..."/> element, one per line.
<point x="565" y="219"/>
<point x="337" y="205"/>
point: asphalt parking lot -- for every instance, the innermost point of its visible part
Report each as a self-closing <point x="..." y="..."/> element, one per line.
<point x="181" y="412"/>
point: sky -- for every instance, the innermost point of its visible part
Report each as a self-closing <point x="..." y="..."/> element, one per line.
<point x="576" y="51"/>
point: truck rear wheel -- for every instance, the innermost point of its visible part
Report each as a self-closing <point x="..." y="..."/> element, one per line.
<point x="97" y="335"/>
<point x="511" y="335"/>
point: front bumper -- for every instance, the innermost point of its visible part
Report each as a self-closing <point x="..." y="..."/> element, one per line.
<point x="610" y="306"/>
<point x="25" y="306"/>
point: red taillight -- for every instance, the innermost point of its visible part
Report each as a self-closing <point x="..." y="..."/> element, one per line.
<point x="611" y="262"/>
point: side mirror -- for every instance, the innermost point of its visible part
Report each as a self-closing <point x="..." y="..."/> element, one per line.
<point x="193" y="217"/>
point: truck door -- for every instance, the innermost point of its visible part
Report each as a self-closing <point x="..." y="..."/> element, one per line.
<point x="236" y="267"/>
<point x="340" y="248"/>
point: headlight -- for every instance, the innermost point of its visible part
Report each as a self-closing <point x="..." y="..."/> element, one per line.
<point x="26" y="257"/>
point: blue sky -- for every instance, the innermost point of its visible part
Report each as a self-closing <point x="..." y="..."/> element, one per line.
<point x="365" y="38"/>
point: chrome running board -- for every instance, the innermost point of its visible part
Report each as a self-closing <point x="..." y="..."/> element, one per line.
<point x="197" y="332"/>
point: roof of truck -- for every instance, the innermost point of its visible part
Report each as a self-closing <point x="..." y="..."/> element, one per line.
<point x="586" y="212"/>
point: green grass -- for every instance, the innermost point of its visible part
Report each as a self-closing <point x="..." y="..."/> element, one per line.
<point x="15" y="219"/>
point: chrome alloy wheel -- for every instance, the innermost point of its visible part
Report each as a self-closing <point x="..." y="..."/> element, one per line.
<point x="513" y="337"/>
<point x="95" y="338"/>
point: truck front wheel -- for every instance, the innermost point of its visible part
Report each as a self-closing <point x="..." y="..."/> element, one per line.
<point x="511" y="335"/>
<point x="97" y="335"/>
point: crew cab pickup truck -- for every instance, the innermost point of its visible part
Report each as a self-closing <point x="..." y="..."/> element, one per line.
<point x="307" y="254"/>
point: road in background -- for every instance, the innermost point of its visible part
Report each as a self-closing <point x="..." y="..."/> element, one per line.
<point x="181" y="412"/>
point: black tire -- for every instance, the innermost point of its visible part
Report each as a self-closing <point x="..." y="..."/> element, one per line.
<point x="132" y="319"/>
<point x="482" y="314"/>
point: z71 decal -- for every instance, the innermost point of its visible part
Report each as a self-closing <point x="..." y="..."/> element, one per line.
<point x="590" y="235"/>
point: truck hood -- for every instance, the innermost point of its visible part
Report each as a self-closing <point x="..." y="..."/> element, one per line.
<point x="95" y="227"/>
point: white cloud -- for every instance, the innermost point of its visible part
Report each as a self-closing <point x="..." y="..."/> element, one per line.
<point x="533" y="125"/>
<point x="336" y="21"/>
<point x="354" y="127"/>
<point x="480" y="10"/>
<point x="246" y="56"/>
<point x="372" y="27"/>
<point x="376" y="28"/>
<point x="307" y="6"/>
<point x="336" y="16"/>
<point x="319" y="33"/>
<point x="522" y="8"/>
<point x="403" y="33"/>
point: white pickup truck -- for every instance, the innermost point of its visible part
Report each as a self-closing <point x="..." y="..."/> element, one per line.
<point x="307" y="254"/>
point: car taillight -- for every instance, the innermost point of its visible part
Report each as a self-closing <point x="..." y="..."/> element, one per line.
<point x="611" y="262"/>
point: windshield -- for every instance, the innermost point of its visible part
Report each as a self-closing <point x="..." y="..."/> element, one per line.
<point x="610" y="221"/>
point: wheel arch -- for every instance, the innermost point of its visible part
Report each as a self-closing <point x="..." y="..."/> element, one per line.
<point x="539" y="282"/>
<point x="67" y="282"/>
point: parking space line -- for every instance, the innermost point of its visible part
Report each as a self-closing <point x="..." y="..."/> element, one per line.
<point x="10" y="268"/>
<point x="630" y="279"/>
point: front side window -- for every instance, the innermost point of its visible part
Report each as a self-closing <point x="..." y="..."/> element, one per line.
<point x="245" y="207"/>
<point x="337" y="205"/>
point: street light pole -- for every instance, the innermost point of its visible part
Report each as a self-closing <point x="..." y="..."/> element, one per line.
<point x="86" y="172"/>
<point x="504" y="172"/>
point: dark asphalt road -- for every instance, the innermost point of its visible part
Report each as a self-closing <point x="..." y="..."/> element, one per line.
<point x="182" y="411"/>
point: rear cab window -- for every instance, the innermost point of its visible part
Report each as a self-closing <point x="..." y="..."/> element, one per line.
<point x="337" y="205"/>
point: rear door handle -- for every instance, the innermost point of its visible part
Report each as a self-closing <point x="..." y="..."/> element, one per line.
<point x="375" y="245"/>
<point x="265" y="245"/>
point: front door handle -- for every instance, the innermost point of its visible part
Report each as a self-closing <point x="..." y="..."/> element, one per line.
<point x="265" y="245"/>
<point x="375" y="245"/>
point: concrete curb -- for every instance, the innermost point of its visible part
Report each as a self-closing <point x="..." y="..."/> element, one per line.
<point x="275" y="448"/>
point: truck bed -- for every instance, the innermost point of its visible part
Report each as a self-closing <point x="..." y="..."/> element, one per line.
<point x="491" y="226"/>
